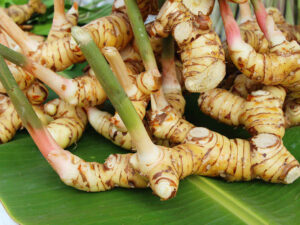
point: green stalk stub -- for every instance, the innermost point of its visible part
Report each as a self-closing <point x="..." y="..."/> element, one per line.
<point x="140" y="34"/>
<point x="13" y="56"/>
<point x="111" y="85"/>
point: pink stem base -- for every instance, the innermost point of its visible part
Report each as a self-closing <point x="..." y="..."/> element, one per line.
<point x="261" y="16"/>
<point x="43" y="139"/>
<point x="232" y="29"/>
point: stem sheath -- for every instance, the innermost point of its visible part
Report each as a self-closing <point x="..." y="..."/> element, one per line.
<point x="169" y="79"/>
<point x="13" y="56"/>
<point x="140" y="34"/>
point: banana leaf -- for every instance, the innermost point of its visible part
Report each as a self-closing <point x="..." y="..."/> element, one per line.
<point x="33" y="194"/>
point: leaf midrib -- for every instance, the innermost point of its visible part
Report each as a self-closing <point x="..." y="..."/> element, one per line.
<point x="228" y="201"/>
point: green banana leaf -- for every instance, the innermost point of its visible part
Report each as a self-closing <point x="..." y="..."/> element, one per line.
<point x="42" y="23"/>
<point x="33" y="194"/>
